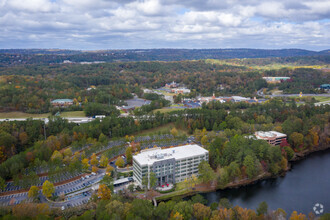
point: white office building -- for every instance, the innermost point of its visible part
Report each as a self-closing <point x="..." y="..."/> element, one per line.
<point x="170" y="165"/>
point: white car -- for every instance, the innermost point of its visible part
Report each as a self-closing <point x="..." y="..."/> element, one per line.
<point x="62" y="208"/>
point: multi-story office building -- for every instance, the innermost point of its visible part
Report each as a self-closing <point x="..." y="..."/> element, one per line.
<point x="170" y="165"/>
<point x="272" y="137"/>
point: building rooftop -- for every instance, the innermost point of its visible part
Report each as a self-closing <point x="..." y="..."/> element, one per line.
<point x="61" y="100"/>
<point x="148" y="157"/>
<point x="269" y="134"/>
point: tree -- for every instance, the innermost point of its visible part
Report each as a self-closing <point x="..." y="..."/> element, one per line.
<point x="2" y="184"/>
<point x="204" y="140"/>
<point x="104" y="161"/>
<point x="33" y="192"/>
<point x="149" y="182"/>
<point x="142" y="209"/>
<point x="95" y="169"/>
<point x="250" y="164"/>
<point x="48" y="189"/>
<point x="67" y="152"/>
<point x="108" y="181"/>
<point x="103" y="139"/>
<point x="129" y="156"/>
<point x="85" y="164"/>
<point x="109" y="169"/>
<point x="94" y="161"/>
<point x="201" y="211"/>
<point x="296" y="139"/>
<point x="296" y="216"/>
<point x="206" y="173"/>
<point x="120" y="162"/>
<point x="262" y="208"/>
<point x="56" y="157"/>
<point x="174" y="132"/>
<point x="104" y="192"/>
<point x="184" y="208"/>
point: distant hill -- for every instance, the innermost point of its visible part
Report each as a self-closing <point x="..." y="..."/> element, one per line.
<point x="10" y="57"/>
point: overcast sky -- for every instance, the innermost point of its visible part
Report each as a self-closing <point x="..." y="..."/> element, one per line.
<point x="126" y="24"/>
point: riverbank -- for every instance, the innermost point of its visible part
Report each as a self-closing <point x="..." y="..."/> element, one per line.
<point x="213" y="186"/>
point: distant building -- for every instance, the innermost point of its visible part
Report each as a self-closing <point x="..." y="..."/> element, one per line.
<point x="62" y="102"/>
<point x="325" y="86"/>
<point x="272" y="137"/>
<point x="276" y="79"/>
<point x="180" y="90"/>
<point x="170" y="165"/>
<point x="239" y="99"/>
<point x="171" y="85"/>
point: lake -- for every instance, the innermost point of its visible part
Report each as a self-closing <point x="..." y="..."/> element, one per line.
<point x="307" y="183"/>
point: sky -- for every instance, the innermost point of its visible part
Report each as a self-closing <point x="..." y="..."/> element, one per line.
<point x="142" y="24"/>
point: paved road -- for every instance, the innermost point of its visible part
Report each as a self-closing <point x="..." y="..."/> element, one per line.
<point x="260" y="93"/>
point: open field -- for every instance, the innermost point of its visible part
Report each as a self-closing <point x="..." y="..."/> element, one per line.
<point x="22" y="115"/>
<point x="45" y="115"/>
<point x="163" y="128"/>
<point x="165" y="110"/>
<point x="73" y="114"/>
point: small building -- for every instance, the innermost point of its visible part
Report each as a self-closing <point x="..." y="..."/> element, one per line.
<point x="272" y="137"/>
<point x="171" y="85"/>
<point x="62" y="102"/>
<point x="325" y="86"/>
<point x="239" y="99"/>
<point x="170" y="165"/>
<point x="276" y="79"/>
<point x="180" y="91"/>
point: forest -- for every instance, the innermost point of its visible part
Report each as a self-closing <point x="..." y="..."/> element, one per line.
<point x="31" y="88"/>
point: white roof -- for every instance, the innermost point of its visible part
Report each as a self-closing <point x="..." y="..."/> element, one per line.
<point x="178" y="153"/>
<point x="269" y="134"/>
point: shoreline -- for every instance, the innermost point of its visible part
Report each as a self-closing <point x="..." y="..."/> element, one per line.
<point x="210" y="187"/>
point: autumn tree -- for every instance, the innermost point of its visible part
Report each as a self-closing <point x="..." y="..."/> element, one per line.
<point x="95" y="169"/>
<point x="109" y="170"/>
<point x="103" y="161"/>
<point x="48" y="189"/>
<point x="174" y="132"/>
<point x="94" y="161"/>
<point x="104" y="192"/>
<point x="120" y="162"/>
<point x="201" y="211"/>
<point x="33" y="192"/>
<point x="85" y="164"/>
<point x="296" y="139"/>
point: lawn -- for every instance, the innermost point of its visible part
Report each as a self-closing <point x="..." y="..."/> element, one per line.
<point x="322" y="98"/>
<point x="45" y="115"/>
<point x="166" y="110"/>
<point x="73" y="114"/>
<point x="22" y="115"/>
<point x="162" y="129"/>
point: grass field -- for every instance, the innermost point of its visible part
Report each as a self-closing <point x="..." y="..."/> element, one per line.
<point x="22" y="115"/>
<point x="322" y="98"/>
<point x="45" y="115"/>
<point x="165" y="110"/>
<point x="162" y="129"/>
<point x="73" y="114"/>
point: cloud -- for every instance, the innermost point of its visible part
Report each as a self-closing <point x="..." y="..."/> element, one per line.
<point x="106" y="24"/>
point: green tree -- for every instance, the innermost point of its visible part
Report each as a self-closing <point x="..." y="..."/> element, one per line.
<point x="262" y="208"/>
<point x="184" y="208"/>
<point x="2" y="184"/>
<point x="296" y="139"/>
<point x="250" y="164"/>
<point x="48" y="189"/>
<point x="206" y="173"/>
<point x="129" y="156"/>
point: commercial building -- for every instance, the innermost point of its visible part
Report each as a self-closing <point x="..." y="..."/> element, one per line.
<point x="62" y="102"/>
<point x="276" y="79"/>
<point x="272" y="137"/>
<point x="180" y="90"/>
<point x="170" y="165"/>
